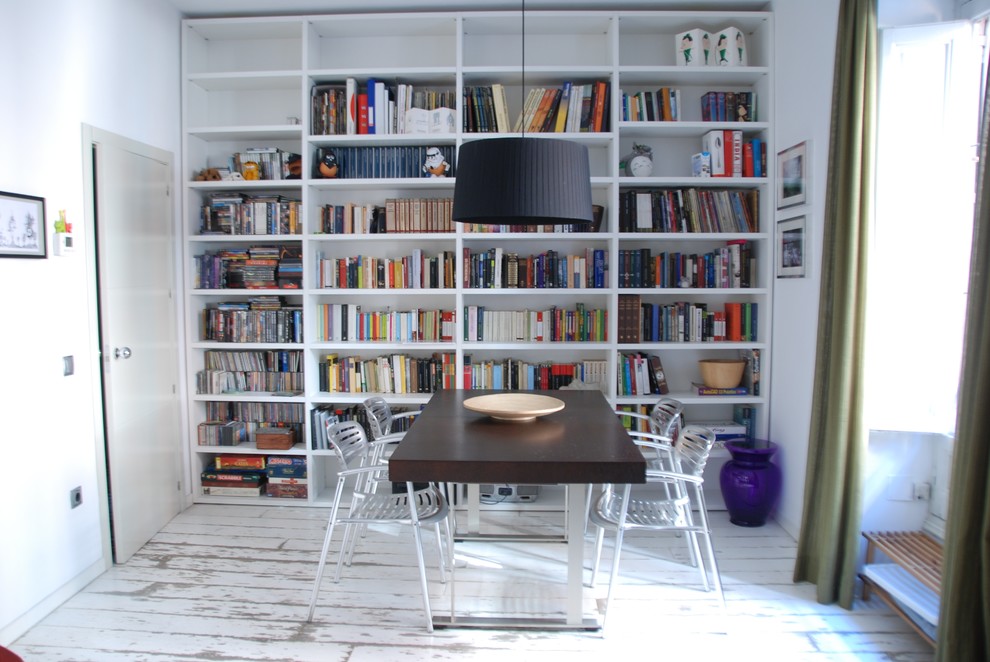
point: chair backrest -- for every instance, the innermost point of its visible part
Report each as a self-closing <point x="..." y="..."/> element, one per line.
<point x="694" y="445"/>
<point x="349" y="442"/>
<point x="379" y="416"/>
<point x="666" y="417"/>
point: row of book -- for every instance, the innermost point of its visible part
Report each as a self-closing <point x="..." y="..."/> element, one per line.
<point x="727" y="153"/>
<point x="282" y="476"/>
<point x="550" y="325"/>
<point x="393" y="373"/>
<point x="251" y="371"/>
<point x="689" y="210"/>
<point x="258" y="414"/>
<point x="216" y="382"/>
<point x="730" y="266"/>
<point x="240" y="214"/>
<point x="377" y="108"/>
<point x="640" y="374"/>
<point x="572" y="107"/>
<point x="416" y="271"/>
<point x="518" y="375"/>
<point x="684" y="321"/>
<point x="397" y="215"/>
<point x="255" y="267"/>
<point x="497" y="268"/>
<point x="661" y="105"/>
<point x="241" y="321"/>
<point x="728" y="106"/>
<point x="268" y="163"/>
<point x="384" y="161"/>
<point x="261" y="360"/>
<point x="347" y="322"/>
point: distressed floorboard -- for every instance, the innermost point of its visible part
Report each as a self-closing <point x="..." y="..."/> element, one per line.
<point x="233" y="583"/>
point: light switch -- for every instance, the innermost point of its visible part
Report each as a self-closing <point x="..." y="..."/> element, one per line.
<point x="68" y="366"/>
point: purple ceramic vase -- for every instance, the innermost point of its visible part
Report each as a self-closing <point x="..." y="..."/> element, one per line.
<point x="750" y="482"/>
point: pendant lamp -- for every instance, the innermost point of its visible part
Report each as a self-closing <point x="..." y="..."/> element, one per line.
<point x="522" y="181"/>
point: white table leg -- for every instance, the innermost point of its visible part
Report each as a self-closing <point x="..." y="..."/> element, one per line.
<point x="575" y="553"/>
<point x="474" y="508"/>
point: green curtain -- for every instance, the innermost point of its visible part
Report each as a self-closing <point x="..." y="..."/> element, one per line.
<point x="964" y="621"/>
<point x="829" y="543"/>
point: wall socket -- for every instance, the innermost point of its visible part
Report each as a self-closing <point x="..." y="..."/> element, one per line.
<point x="75" y="497"/>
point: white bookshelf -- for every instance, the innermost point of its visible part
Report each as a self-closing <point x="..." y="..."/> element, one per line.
<point x="247" y="83"/>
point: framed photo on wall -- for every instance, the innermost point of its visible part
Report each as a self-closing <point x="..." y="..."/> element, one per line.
<point x="22" y="226"/>
<point x="792" y="176"/>
<point x="792" y="247"/>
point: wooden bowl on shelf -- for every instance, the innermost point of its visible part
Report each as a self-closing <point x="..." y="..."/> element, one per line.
<point x="722" y="373"/>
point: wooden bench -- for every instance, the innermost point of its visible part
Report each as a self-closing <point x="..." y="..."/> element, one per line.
<point x="911" y="582"/>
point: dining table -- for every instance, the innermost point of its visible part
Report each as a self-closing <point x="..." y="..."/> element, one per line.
<point x="580" y="444"/>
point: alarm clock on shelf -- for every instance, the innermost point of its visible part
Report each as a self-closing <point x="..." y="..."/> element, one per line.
<point x="639" y="163"/>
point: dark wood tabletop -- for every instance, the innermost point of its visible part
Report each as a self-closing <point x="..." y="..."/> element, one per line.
<point x="583" y="443"/>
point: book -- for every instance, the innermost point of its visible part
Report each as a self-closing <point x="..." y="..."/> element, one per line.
<point x="746" y="415"/>
<point x="351" y="94"/>
<point x="563" y="108"/>
<point x="629" y="318"/>
<point x="751" y="374"/>
<point x="657" y="376"/>
<point x="711" y="390"/>
<point x="362" y="113"/>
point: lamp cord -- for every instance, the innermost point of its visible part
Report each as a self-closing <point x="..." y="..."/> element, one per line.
<point x="523" y="68"/>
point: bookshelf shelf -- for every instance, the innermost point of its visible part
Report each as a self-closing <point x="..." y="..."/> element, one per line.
<point x="248" y="84"/>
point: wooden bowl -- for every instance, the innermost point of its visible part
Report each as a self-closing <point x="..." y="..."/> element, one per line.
<point x="722" y="373"/>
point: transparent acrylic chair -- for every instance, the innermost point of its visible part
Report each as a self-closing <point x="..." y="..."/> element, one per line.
<point x="681" y="471"/>
<point x="415" y="507"/>
<point x="381" y="423"/>
<point x="664" y="420"/>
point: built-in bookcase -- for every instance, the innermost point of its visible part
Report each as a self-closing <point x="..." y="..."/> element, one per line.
<point x="375" y="244"/>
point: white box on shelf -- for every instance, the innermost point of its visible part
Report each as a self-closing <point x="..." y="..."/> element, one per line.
<point x="730" y="48"/>
<point x="694" y="48"/>
<point x="713" y="142"/>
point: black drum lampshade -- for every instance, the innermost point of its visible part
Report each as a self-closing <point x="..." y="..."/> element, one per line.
<point x="522" y="181"/>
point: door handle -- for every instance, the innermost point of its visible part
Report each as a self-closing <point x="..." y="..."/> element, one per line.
<point x="122" y="353"/>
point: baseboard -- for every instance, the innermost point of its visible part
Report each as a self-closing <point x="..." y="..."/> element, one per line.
<point x="11" y="631"/>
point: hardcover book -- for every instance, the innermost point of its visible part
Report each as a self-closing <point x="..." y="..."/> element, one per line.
<point x="658" y="377"/>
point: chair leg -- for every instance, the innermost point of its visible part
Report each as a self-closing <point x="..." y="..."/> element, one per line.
<point x="599" y="542"/>
<point x="323" y="554"/>
<point x="619" y="530"/>
<point x="709" y="546"/>
<point x="442" y="554"/>
<point x="418" y="538"/>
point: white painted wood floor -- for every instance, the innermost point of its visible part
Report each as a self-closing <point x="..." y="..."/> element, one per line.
<point x="233" y="583"/>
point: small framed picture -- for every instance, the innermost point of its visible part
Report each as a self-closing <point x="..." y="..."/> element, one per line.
<point x="22" y="226"/>
<point x="792" y="176"/>
<point x="792" y="247"/>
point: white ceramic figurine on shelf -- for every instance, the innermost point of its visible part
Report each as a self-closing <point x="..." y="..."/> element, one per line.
<point x="435" y="165"/>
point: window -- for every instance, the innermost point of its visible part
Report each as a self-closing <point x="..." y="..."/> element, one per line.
<point x="928" y="116"/>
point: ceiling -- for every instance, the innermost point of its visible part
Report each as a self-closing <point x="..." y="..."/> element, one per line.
<point x="202" y="8"/>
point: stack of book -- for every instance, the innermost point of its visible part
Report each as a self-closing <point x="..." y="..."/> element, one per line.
<point x="287" y="477"/>
<point x="235" y="475"/>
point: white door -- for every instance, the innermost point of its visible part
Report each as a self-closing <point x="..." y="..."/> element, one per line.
<point x="140" y="356"/>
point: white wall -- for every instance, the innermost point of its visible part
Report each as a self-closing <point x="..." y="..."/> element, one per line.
<point x="804" y="53"/>
<point x="113" y="64"/>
